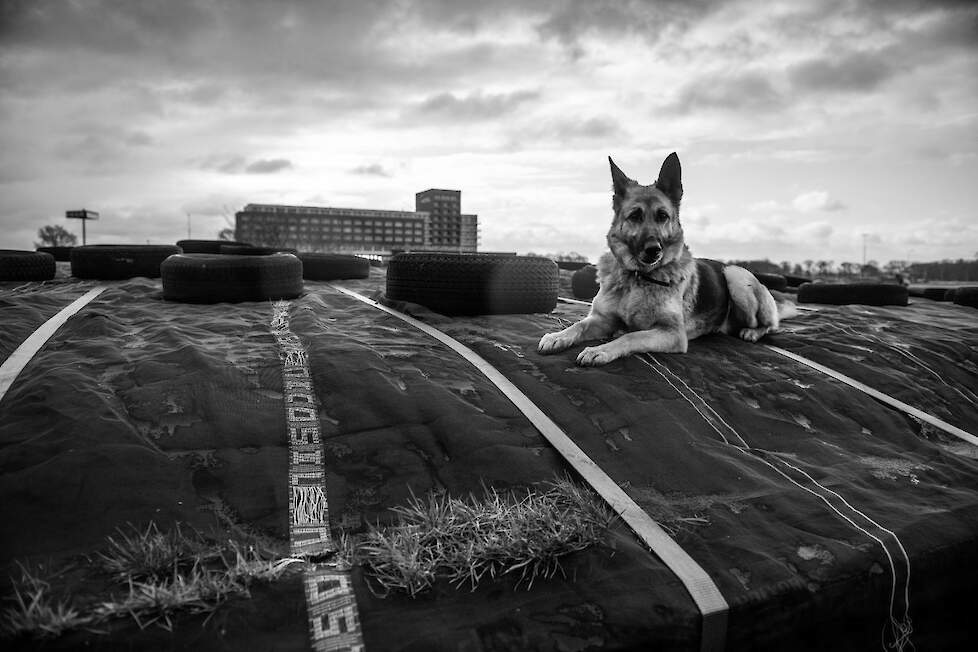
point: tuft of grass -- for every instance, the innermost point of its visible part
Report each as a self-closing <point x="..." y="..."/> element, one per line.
<point x="468" y="540"/>
<point x="201" y="589"/>
<point x="247" y="565"/>
<point x="164" y="573"/>
<point x="154" y="601"/>
<point x="149" y="553"/>
<point x="35" y="613"/>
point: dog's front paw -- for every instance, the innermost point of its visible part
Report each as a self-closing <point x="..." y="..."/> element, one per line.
<point x="553" y="342"/>
<point x="594" y="356"/>
<point x="753" y="334"/>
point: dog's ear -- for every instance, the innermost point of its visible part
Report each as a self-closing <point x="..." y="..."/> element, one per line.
<point x="618" y="179"/>
<point x="670" y="179"/>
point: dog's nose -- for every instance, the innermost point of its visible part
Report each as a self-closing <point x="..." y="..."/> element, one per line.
<point x="651" y="252"/>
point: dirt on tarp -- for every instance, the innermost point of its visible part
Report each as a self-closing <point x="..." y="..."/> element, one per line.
<point x="827" y="520"/>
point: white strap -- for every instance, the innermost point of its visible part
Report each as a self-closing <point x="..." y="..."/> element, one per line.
<point x="697" y="581"/>
<point x="880" y="396"/>
<point x="24" y="353"/>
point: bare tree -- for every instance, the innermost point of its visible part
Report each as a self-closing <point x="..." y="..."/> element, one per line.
<point x="55" y="235"/>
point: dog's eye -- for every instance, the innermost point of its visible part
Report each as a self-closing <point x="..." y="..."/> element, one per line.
<point x="661" y="215"/>
<point x="635" y="215"/>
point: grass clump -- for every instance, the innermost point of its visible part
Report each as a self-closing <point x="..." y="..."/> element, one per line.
<point x="134" y="553"/>
<point x="467" y="540"/>
<point x="162" y="574"/>
<point x="201" y="589"/>
<point x="36" y="612"/>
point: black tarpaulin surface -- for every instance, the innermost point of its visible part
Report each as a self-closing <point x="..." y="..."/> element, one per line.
<point x="142" y="410"/>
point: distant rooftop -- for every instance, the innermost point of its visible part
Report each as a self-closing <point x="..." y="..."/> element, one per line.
<point x="320" y="210"/>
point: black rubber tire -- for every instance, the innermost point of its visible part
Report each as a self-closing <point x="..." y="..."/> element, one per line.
<point x="840" y="294"/>
<point x="474" y="284"/>
<point x="113" y="262"/>
<point x="220" y="278"/>
<point x="796" y="281"/>
<point x="249" y="250"/>
<point x="62" y="254"/>
<point x="935" y="294"/>
<point x="584" y="283"/>
<point x="571" y="265"/>
<point x="207" y="246"/>
<point x="26" y="265"/>
<point x="966" y="296"/>
<point x="327" y="267"/>
<point x="772" y="281"/>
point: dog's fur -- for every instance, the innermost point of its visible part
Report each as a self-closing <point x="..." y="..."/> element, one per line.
<point x="652" y="287"/>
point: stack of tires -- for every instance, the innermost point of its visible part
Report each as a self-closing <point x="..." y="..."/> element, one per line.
<point x="207" y="246"/>
<point x="584" y="283"/>
<point x="115" y="262"/>
<point x="242" y="249"/>
<point x="772" y="281"/>
<point x="61" y="254"/>
<point x="867" y="294"/>
<point x="966" y="296"/>
<point x="474" y="284"/>
<point x="329" y="267"/>
<point x="238" y="272"/>
<point x="220" y="278"/>
<point x="16" y="265"/>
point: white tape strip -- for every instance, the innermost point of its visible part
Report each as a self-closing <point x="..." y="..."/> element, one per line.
<point x="697" y="581"/>
<point x="880" y="396"/>
<point x="330" y="601"/>
<point x="24" y="353"/>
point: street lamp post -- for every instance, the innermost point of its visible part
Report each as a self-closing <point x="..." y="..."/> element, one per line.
<point x="83" y="215"/>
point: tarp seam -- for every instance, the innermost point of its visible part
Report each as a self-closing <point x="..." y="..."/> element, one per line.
<point x="334" y="623"/>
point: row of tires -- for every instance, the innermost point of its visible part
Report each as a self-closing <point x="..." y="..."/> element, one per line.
<point x="63" y="254"/>
<point x="456" y="284"/>
<point x="115" y="262"/>
<point x="242" y="273"/>
<point x="584" y="282"/>
<point x="584" y="285"/>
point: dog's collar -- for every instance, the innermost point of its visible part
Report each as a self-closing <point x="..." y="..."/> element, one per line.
<point x="645" y="276"/>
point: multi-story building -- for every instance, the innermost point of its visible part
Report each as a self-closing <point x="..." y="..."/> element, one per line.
<point x="336" y="230"/>
<point x="437" y="225"/>
<point x="448" y="228"/>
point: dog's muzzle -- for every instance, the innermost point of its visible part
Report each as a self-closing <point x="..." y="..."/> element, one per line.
<point x="651" y="254"/>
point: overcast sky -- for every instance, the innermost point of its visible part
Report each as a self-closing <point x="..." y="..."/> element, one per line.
<point x="801" y="126"/>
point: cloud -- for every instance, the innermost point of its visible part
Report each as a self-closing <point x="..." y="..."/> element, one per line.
<point x="750" y="91"/>
<point x="817" y="200"/>
<point x="237" y="164"/>
<point x="815" y="231"/>
<point x="565" y="130"/>
<point x="474" y="107"/>
<point x="569" y="22"/>
<point x="372" y="170"/>
<point x="268" y="166"/>
<point x="853" y="71"/>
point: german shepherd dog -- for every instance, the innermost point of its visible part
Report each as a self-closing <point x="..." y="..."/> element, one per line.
<point x="651" y="286"/>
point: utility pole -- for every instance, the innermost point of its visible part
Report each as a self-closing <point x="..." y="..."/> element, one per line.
<point x="864" y="251"/>
<point x="188" y="226"/>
